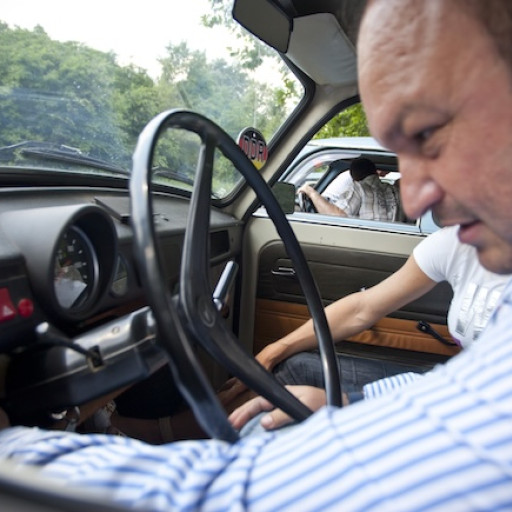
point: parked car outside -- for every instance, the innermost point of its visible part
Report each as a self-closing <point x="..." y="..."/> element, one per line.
<point x="313" y="166"/>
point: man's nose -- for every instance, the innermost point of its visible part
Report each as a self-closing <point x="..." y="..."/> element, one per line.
<point x="418" y="191"/>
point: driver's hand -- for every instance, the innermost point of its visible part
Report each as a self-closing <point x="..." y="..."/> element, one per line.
<point x="306" y="189"/>
<point x="313" y="397"/>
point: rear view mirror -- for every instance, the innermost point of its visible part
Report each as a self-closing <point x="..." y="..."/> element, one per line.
<point x="266" y="21"/>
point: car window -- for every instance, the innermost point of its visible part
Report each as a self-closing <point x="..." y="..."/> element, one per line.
<point x="324" y="164"/>
<point x="311" y="166"/>
<point x="89" y="90"/>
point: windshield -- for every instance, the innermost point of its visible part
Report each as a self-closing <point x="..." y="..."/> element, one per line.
<point x="77" y="85"/>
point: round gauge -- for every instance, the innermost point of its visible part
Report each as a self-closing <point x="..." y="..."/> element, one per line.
<point x="120" y="283"/>
<point x="75" y="271"/>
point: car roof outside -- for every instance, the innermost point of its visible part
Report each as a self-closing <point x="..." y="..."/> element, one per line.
<point x="356" y="143"/>
<point x="354" y="147"/>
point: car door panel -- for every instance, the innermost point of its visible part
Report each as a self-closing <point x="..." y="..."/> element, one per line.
<point x="343" y="259"/>
<point x="274" y="319"/>
<point x="339" y="272"/>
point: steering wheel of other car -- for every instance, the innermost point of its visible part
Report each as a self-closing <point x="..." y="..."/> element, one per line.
<point x="305" y="203"/>
<point x="190" y="317"/>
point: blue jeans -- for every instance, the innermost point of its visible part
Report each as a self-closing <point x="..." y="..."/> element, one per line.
<point x="305" y="368"/>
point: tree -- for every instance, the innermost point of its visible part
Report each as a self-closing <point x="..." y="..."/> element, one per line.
<point x="72" y="94"/>
<point x="188" y="79"/>
<point x="71" y="80"/>
<point x="251" y="52"/>
<point x="135" y="102"/>
<point x="351" y="122"/>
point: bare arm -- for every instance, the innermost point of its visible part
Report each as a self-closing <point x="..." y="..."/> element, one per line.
<point x="321" y="204"/>
<point x="354" y="313"/>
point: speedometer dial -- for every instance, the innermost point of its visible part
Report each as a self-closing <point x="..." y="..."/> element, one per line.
<point x="75" y="271"/>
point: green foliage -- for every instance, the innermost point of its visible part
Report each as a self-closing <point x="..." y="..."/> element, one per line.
<point x="135" y="101"/>
<point x="351" y="122"/>
<point x="65" y="90"/>
<point x="189" y="81"/>
<point x="250" y="51"/>
<point x="83" y="98"/>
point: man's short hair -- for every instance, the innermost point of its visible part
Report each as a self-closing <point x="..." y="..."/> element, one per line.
<point x="496" y="17"/>
<point x="362" y="167"/>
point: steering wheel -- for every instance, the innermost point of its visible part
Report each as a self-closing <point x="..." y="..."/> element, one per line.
<point x="190" y="317"/>
<point x="305" y="203"/>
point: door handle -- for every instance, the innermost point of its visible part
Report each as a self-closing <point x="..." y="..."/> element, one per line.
<point x="284" y="272"/>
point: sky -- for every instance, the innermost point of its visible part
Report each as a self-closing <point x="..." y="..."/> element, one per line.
<point x="144" y="30"/>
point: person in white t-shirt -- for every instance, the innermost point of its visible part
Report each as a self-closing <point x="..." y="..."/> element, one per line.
<point x="439" y="257"/>
<point x="295" y="361"/>
<point x="476" y="290"/>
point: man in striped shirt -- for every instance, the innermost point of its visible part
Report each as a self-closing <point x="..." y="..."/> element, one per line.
<point x="436" y="82"/>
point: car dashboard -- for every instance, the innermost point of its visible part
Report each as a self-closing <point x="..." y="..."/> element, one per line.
<point x="74" y="320"/>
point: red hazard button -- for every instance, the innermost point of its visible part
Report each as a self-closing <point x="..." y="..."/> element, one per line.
<point x="25" y="308"/>
<point x="7" y="309"/>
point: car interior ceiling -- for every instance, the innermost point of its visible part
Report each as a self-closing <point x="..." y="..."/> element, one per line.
<point x="322" y="37"/>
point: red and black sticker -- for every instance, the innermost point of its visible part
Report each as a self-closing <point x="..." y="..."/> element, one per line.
<point x="253" y="144"/>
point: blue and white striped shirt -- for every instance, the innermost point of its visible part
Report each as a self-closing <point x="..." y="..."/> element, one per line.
<point x="442" y="443"/>
<point x="388" y="384"/>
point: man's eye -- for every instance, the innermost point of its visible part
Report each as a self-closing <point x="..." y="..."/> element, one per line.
<point x="427" y="142"/>
<point x="424" y="135"/>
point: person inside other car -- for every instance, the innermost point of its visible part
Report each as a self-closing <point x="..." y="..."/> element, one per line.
<point x="434" y="77"/>
<point x="343" y="180"/>
<point x="364" y="197"/>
